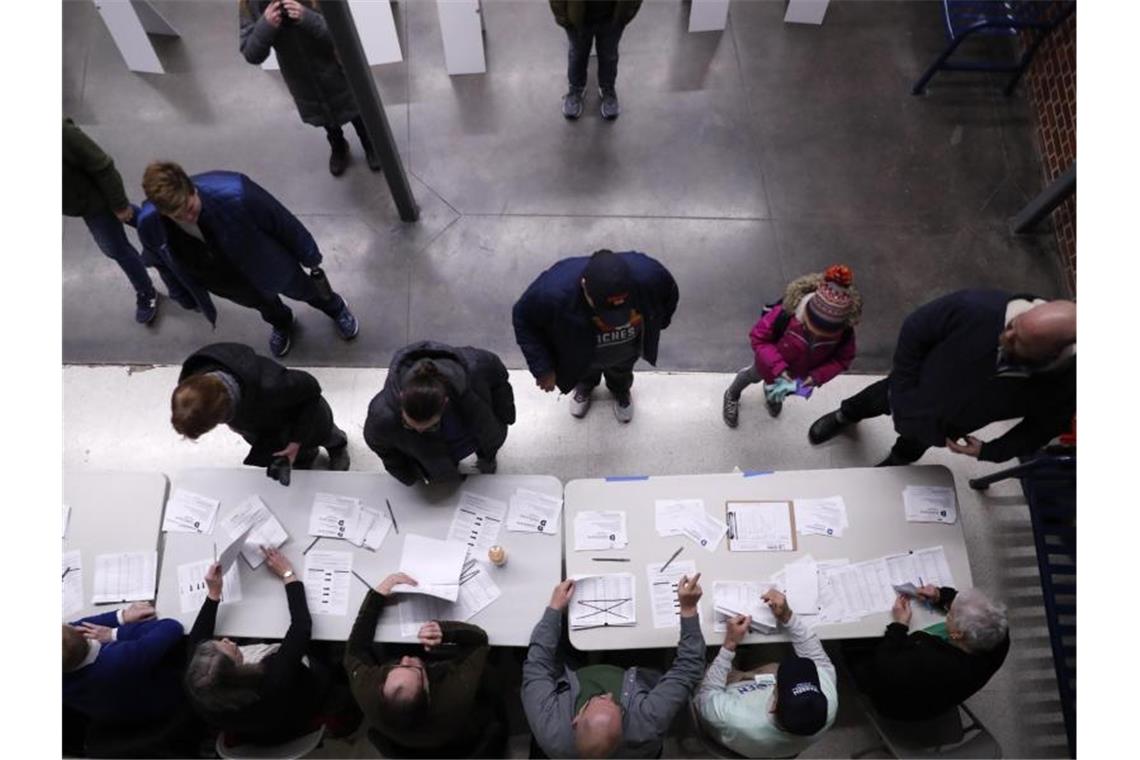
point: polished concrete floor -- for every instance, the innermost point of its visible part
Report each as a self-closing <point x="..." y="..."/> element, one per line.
<point x="742" y="159"/>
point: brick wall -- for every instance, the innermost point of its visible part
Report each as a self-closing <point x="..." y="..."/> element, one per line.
<point x="1051" y="86"/>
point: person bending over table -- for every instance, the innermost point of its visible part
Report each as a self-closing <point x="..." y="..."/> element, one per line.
<point x="433" y="708"/>
<point x="593" y="711"/>
<point x="279" y="412"/>
<point x="757" y="718"/>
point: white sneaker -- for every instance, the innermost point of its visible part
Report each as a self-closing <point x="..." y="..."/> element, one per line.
<point x="579" y="403"/>
<point x="624" y="413"/>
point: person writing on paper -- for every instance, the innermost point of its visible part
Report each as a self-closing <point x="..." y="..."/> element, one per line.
<point x="923" y="674"/>
<point x="439" y="406"/>
<point x="123" y="666"/>
<point x="280" y="412"/>
<point x="761" y="719"/>
<point x="595" y="710"/>
<point x="428" y="706"/>
<point x="258" y="693"/>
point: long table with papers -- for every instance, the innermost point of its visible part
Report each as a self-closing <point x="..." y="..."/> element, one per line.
<point x="836" y="541"/>
<point x="357" y="545"/>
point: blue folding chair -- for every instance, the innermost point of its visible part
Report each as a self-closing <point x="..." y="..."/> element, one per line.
<point x="996" y="18"/>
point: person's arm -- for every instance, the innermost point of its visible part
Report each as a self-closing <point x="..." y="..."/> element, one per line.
<point x="657" y="708"/>
<point x="543" y="673"/>
<point x="807" y="644"/>
<point x="360" y="654"/>
<point x="839" y="362"/>
<point x="279" y="670"/>
<point x="297" y="396"/>
<point x="502" y="395"/>
<point x="1033" y="432"/>
<point x="312" y="23"/>
<point x="921" y="331"/>
<point x="96" y="164"/>
<point x="142" y="645"/>
<point x="203" y="628"/>
<point x="763" y="338"/>
<point x="256" y="37"/>
<point x="463" y="635"/>
<point x="107" y="619"/>
<point x="665" y="290"/>
<point x="278" y="222"/>
<point x="398" y="464"/>
<point x="531" y="318"/>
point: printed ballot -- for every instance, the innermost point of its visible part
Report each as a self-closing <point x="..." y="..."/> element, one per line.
<point x="594" y="531"/>
<point x="760" y="526"/>
<point x="731" y="598"/>
<point x="477" y="522"/>
<point x="663" y="591"/>
<point x="435" y="565"/>
<point x="192" y="585"/>
<point x="327" y="578"/>
<point x="930" y="504"/>
<point x="72" y="582"/>
<point x="603" y="600"/>
<point x="124" y="577"/>
<point x="534" y="512"/>
<point x="189" y="512"/>
<point x="263" y="526"/>
<point x="924" y="567"/>
<point x="333" y="516"/>
<point x="371" y="530"/>
<point x="801" y="579"/>
<point x="671" y="514"/>
<point x="477" y="589"/>
<point x="821" y="517"/>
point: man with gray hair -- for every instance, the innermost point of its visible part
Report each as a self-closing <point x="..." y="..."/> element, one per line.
<point x="920" y="675"/>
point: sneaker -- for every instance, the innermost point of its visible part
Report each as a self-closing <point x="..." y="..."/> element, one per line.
<point x="825" y="428"/>
<point x="338" y="159"/>
<point x="623" y="408"/>
<point x="346" y="325"/>
<point x="730" y="410"/>
<point x="774" y="407"/>
<point x="338" y="458"/>
<point x="146" y="308"/>
<point x="610" y="107"/>
<point x="280" y="341"/>
<point x="572" y="102"/>
<point x="580" y="402"/>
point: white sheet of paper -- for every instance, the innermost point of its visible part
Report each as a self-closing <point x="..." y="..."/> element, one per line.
<point x="704" y="529"/>
<point x="821" y="517"/>
<point x="333" y="516"/>
<point x="663" y="591"/>
<point x="192" y="585"/>
<point x="378" y="528"/>
<point x="933" y="569"/>
<point x="328" y="575"/>
<point x="930" y="504"/>
<point x="72" y="574"/>
<point x="363" y="525"/>
<point x="876" y="580"/>
<point x="760" y="526"/>
<point x="230" y="554"/>
<point x="435" y="565"/>
<point x="477" y="522"/>
<point x="669" y="514"/>
<point x="267" y="529"/>
<point x="594" y="531"/>
<point x="851" y="600"/>
<point x="477" y="589"/>
<point x="604" y="600"/>
<point x="743" y="598"/>
<point x="125" y="577"/>
<point x="831" y="609"/>
<point x="189" y="512"/>
<point x="802" y="586"/>
<point x="533" y="512"/>
<point x="66" y="518"/>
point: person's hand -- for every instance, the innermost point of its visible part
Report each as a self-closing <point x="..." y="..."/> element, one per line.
<point x="395" y="579"/>
<point x="273" y="14"/>
<point x="930" y="593"/>
<point x="430" y="635"/>
<point x="900" y="612"/>
<point x="214" y="582"/>
<point x="293" y="9"/>
<point x="971" y="448"/>
<point x="278" y="563"/>
<point x="125" y="214"/>
<point x="778" y="603"/>
<point x="100" y="633"/>
<point x="546" y="382"/>
<point x="808" y="381"/>
<point x="735" y="629"/>
<point x="689" y="593"/>
<point x="291" y="451"/>
<point x="560" y="597"/>
<point x="138" y="611"/>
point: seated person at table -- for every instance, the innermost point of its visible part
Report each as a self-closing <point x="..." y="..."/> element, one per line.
<point x="440" y="405"/>
<point x="122" y="667"/>
<point x="926" y="673"/>
<point x="433" y="708"/>
<point x="595" y="710"/>
<point x="280" y="412"/>
<point x="258" y="693"/>
<point x="760" y="719"/>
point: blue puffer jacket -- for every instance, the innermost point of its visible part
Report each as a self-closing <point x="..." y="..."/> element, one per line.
<point x="259" y="235"/>
<point x="553" y="322"/>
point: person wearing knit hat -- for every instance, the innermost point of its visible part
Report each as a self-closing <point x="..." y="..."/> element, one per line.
<point x="802" y="342"/>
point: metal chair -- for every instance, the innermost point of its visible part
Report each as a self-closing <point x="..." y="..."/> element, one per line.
<point x="996" y="18"/>
<point x="941" y="737"/>
<point x="294" y="748"/>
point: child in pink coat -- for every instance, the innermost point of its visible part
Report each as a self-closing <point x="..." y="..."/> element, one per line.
<point x="802" y="342"/>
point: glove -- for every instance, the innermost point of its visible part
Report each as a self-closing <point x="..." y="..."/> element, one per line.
<point x="778" y="390"/>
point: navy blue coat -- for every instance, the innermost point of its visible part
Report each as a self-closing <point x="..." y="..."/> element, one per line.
<point x="944" y="380"/>
<point x="259" y="235"/>
<point x="129" y="682"/>
<point x="554" y="323"/>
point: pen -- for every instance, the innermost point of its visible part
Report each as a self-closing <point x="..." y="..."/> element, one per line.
<point x="310" y="546"/>
<point x="68" y="570"/>
<point x="610" y="559"/>
<point x="367" y="585"/>
<point x="393" y="516"/>
<point x="670" y="561"/>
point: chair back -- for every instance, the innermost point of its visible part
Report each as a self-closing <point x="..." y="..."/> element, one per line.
<point x="294" y="748"/>
<point x="943" y="736"/>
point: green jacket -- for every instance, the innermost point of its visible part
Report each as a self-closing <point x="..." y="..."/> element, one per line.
<point x="568" y="13"/>
<point x="91" y="183"/>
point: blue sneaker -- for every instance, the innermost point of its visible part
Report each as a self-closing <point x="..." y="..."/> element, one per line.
<point x="280" y="341"/>
<point x="346" y="325"/>
<point x="146" y="308"/>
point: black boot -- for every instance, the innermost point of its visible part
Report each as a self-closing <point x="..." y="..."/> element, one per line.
<point x="826" y="427"/>
<point x="893" y="461"/>
<point x="338" y="159"/>
<point x="338" y="458"/>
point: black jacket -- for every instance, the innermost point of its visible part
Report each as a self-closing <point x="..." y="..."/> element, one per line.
<point x="919" y="676"/>
<point x="278" y="405"/>
<point x="944" y="380"/>
<point x="479" y="390"/>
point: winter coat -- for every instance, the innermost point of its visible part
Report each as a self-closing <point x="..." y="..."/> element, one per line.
<point x="479" y="389"/>
<point x="571" y="13"/>
<point x="944" y="380"/>
<point x="308" y="61"/>
<point x="792" y="352"/>
<point x="253" y="230"/>
<point x="91" y="183"/>
<point x="277" y="406"/>
<point x="554" y="324"/>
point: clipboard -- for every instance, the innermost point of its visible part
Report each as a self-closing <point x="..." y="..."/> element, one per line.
<point x="734" y="538"/>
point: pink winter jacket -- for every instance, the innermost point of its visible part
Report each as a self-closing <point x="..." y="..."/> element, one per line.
<point x="824" y="360"/>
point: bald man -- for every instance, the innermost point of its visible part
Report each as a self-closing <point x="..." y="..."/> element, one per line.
<point x="968" y="359"/>
<point x="598" y="710"/>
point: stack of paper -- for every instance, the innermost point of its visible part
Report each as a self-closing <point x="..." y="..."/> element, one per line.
<point x="801" y="586"/>
<point x="599" y="530"/>
<point x="189" y="512"/>
<point x="125" y="577"/>
<point x="334" y="516"/>
<point x="821" y="517"/>
<point x="327" y="578"/>
<point x="72" y="582"/>
<point x="760" y="526"/>
<point x="930" y="504"/>
<point x="477" y="589"/>
<point x="371" y="529"/>
<point x="831" y="609"/>
<point x="663" y="591"/>
<point x="435" y="565"/>
<point x="687" y="517"/>
<point x="732" y="598"/>
<point x="534" y="512"/>
<point x="192" y="585"/>
<point x="603" y="600"/>
<point x="264" y="529"/>
<point x="925" y="567"/>
<point x="477" y="522"/>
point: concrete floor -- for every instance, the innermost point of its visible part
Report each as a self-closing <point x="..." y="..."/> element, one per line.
<point x="742" y="159"/>
<point x="676" y="429"/>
